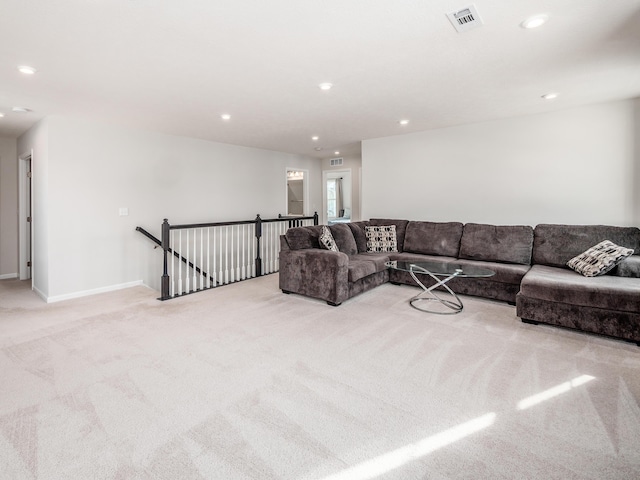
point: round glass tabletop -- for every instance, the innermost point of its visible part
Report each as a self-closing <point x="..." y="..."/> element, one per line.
<point x="443" y="268"/>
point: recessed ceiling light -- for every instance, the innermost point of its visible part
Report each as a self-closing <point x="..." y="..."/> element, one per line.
<point x="225" y="116"/>
<point x="403" y="122"/>
<point x="26" y="69"/>
<point x="315" y="138"/>
<point x="535" y="21"/>
<point x="325" y="86"/>
<point x="550" y="96"/>
<point x="20" y="109"/>
<point x="1" y="114"/>
<point x="336" y="152"/>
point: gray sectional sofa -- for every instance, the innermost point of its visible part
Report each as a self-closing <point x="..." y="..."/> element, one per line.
<point x="552" y="293"/>
<point x="529" y="265"/>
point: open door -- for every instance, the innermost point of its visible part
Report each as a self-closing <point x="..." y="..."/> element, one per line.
<point x="25" y="223"/>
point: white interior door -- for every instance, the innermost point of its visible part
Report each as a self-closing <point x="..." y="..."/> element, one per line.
<point x="25" y="223"/>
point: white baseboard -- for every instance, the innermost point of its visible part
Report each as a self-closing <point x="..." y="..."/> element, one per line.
<point x="40" y="294"/>
<point x="85" y="293"/>
<point x="7" y="276"/>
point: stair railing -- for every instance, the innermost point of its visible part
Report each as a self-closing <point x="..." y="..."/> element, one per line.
<point x="198" y="257"/>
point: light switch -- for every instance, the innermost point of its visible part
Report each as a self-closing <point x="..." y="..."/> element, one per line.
<point x="124" y="211"/>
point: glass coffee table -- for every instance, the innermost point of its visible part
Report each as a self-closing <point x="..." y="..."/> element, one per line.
<point x="441" y="272"/>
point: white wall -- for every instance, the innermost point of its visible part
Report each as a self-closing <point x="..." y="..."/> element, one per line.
<point x="572" y="166"/>
<point x="636" y="190"/>
<point x="94" y="169"/>
<point x="8" y="207"/>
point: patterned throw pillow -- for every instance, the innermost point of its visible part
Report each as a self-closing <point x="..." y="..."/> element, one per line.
<point x="599" y="259"/>
<point x="327" y="241"/>
<point x="381" y="239"/>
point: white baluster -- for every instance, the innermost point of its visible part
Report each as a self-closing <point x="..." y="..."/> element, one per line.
<point x="173" y="278"/>
<point x="180" y="290"/>
<point x="269" y="248"/>
<point x="187" y="274"/>
<point x="220" y="263"/>
<point x="208" y="281"/>
<point x="201" y="259"/>
<point x="233" y="270"/>
<point x="226" y="255"/>
<point x="238" y="240"/>
<point x="192" y="259"/>
<point x="215" y="259"/>
<point x="243" y="269"/>
<point x="250" y="242"/>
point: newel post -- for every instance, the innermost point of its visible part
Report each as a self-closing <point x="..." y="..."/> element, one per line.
<point x="258" y="236"/>
<point x="164" y="292"/>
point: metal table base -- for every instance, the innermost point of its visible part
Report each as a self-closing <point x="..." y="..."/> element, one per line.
<point x="430" y="295"/>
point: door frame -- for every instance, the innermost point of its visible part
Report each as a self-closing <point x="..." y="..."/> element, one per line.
<point x="325" y="177"/>
<point x="25" y="228"/>
<point x="305" y="190"/>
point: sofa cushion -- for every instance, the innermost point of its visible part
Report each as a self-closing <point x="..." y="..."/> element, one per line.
<point x="433" y="238"/>
<point x="359" y="234"/>
<point x="344" y="238"/>
<point x="417" y="257"/>
<point x="504" y="272"/>
<point x="599" y="259"/>
<point x="566" y="286"/>
<point x="555" y="245"/>
<point x="493" y="243"/>
<point x="629" y="267"/>
<point x="299" y="238"/>
<point x="401" y="228"/>
<point x="365" y="264"/>
<point x="326" y="240"/>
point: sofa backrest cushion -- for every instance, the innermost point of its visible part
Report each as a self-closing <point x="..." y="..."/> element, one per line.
<point x="344" y="238"/>
<point x="401" y="228"/>
<point x="433" y="238"/>
<point x="497" y="243"/>
<point x="555" y="245"/>
<point x="359" y="234"/>
<point x="299" y="238"/>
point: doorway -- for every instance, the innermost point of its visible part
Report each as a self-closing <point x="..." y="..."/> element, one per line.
<point x="337" y="197"/>
<point x="297" y="193"/>
<point x="25" y="224"/>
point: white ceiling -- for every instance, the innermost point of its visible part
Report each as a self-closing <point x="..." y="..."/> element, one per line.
<point x="176" y="66"/>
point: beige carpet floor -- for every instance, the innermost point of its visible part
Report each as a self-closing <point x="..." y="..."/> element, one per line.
<point x="244" y="382"/>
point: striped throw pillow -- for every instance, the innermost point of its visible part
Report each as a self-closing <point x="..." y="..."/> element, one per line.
<point x="327" y="240"/>
<point x="599" y="259"/>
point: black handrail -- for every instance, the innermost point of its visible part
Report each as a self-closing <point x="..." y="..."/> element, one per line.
<point x="313" y="217"/>
<point x="149" y="236"/>
<point x="157" y="241"/>
<point x="294" y="221"/>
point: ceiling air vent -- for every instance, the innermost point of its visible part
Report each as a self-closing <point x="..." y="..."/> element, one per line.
<point x="335" y="162"/>
<point x="465" y="19"/>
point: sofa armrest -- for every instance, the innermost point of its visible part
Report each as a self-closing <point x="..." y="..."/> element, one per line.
<point x="315" y="272"/>
<point x="629" y="267"/>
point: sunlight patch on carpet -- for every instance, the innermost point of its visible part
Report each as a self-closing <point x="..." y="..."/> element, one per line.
<point x="553" y="392"/>
<point x="390" y="461"/>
